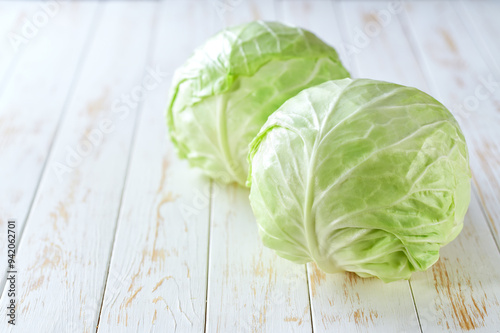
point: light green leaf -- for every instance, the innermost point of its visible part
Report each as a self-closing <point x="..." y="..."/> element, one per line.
<point x="225" y="92"/>
<point x="360" y="175"/>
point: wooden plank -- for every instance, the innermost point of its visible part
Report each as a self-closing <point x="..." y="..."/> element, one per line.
<point x="250" y="289"/>
<point x="378" y="46"/>
<point x="27" y="126"/>
<point x="437" y="299"/>
<point x="460" y="292"/>
<point x="158" y="271"/>
<point x="66" y="244"/>
<point x="469" y="87"/>
<point x="317" y="16"/>
<point x="481" y="19"/>
<point x="345" y="302"/>
<point x="236" y="12"/>
<point x="13" y="28"/>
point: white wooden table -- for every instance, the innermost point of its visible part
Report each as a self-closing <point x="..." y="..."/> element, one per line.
<point x="116" y="234"/>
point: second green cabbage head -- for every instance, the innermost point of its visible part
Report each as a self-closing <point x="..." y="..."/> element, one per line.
<point x="360" y="175"/>
<point x="227" y="89"/>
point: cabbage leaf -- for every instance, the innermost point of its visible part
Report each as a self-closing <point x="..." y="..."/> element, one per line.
<point x="360" y="175"/>
<point x="227" y="89"/>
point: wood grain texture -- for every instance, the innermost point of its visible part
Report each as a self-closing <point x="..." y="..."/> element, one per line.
<point x="481" y="20"/>
<point x="250" y="289"/>
<point x="158" y="271"/>
<point x="375" y="41"/>
<point x="461" y="292"/>
<point x="320" y="18"/>
<point x="471" y="90"/>
<point x="28" y="126"/>
<point x="64" y="252"/>
<point x="446" y="295"/>
<point x="345" y="302"/>
<point x="133" y="235"/>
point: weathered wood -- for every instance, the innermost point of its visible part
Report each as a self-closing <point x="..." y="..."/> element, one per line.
<point x="481" y="20"/>
<point x="15" y="22"/>
<point x="320" y="18"/>
<point x="157" y="277"/>
<point x="461" y="292"/>
<point x="157" y="247"/>
<point x="63" y="256"/>
<point x="250" y="289"/>
<point x="345" y="302"/>
<point x="28" y="119"/>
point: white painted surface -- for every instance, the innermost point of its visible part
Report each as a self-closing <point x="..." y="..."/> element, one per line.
<point x="28" y="127"/>
<point x="157" y="277"/>
<point x="145" y="236"/>
<point x="63" y="255"/>
<point x="481" y="21"/>
<point x="461" y="292"/>
<point x="14" y="31"/>
<point x="250" y="289"/>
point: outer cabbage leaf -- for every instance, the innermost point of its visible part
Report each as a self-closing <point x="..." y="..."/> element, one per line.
<point x="225" y="92"/>
<point x="360" y="175"/>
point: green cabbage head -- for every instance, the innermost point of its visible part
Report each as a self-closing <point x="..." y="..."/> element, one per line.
<point x="362" y="176"/>
<point x="227" y="89"/>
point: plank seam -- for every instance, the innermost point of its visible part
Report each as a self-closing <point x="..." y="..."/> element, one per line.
<point x="403" y="22"/>
<point x="478" y="196"/>
<point x="208" y="253"/>
<point x="309" y="297"/>
<point x="415" y="306"/>
<point x="486" y="54"/>
<point x="424" y="69"/>
<point x="132" y="145"/>
<point x="91" y="33"/>
<point x="477" y="39"/>
<point x="428" y="78"/>
<point x="342" y="24"/>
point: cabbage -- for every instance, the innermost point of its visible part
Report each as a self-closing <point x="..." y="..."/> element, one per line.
<point x="360" y="175"/>
<point x="225" y="92"/>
